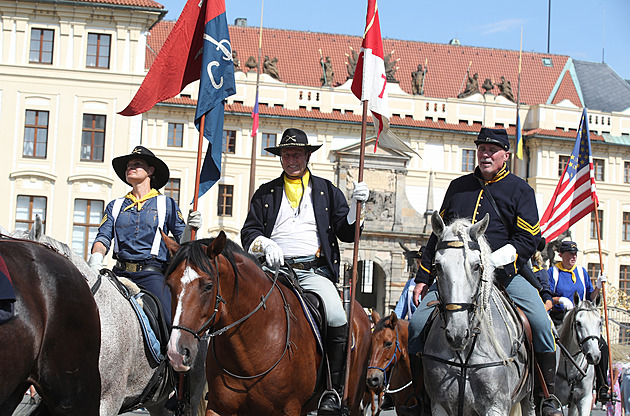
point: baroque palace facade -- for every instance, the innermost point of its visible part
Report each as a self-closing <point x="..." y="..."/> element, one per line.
<point x="67" y="67"/>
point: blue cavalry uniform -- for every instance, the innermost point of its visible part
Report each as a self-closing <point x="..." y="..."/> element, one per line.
<point x="140" y="253"/>
<point x="465" y="198"/>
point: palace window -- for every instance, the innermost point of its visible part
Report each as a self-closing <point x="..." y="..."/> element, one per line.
<point x="98" y="50"/>
<point x="41" y="50"/>
<point x="226" y="198"/>
<point x="175" y="134"/>
<point x="27" y="207"/>
<point x="35" y="134"/>
<point x="85" y="222"/>
<point x="93" y="137"/>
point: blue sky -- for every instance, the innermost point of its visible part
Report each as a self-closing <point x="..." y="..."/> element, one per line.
<point x="579" y="28"/>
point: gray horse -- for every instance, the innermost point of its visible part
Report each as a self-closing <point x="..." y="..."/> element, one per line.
<point x="474" y="355"/>
<point x="580" y="333"/>
<point x="125" y="368"/>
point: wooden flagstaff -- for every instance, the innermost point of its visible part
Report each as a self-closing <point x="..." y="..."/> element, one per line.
<point x="601" y="270"/>
<point x="252" y="172"/>
<point x="424" y="75"/>
<point x="465" y="78"/>
<point x="355" y="256"/>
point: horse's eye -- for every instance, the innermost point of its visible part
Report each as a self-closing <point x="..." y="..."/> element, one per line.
<point x="207" y="287"/>
<point x="388" y="344"/>
<point x="438" y="268"/>
<point x="476" y="267"/>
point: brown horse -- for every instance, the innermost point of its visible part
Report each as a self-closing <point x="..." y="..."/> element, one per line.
<point x="53" y="342"/>
<point x="263" y="357"/>
<point x="388" y="369"/>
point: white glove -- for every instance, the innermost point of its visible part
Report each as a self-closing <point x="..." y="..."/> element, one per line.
<point x="263" y="246"/>
<point x="359" y="193"/>
<point x="193" y="223"/>
<point x="95" y="261"/>
<point x="601" y="278"/>
<point x="568" y="305"/>
<point x="504" y="255"/>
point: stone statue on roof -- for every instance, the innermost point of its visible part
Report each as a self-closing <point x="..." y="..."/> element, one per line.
<point x="390" y="67"/>
<point x="505" y="89"/>
<point x="236" y="61"/>
<point x="351" y="64"/>
<point x="487" y="85"/>
<point x="270" y="67"/>
<point x="251" y="63"/>
<point x="417" y="80"/>
<point x="329" y="73"/>
<point x="472" y="87"/>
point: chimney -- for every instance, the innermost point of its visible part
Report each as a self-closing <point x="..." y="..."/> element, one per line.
<point x="240" y="21"/>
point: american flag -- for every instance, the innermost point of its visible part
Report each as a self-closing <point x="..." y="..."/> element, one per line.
<point x="575" y="195"/>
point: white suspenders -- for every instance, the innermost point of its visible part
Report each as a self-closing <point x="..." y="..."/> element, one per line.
<point x="161" y="208"/>
<point x="555" y="274"/>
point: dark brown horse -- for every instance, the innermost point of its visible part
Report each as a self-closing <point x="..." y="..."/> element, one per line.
<point x="53" y="342"/>
<point x="263" y="357"/>
<point x="388" y="368"/>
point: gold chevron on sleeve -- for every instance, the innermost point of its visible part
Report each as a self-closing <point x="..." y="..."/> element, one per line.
<point x="524" y="225"/>
<point x="103" y="220"/>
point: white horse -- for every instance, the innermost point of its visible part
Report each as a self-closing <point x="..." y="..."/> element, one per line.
<point x="580" y="333"/>
<point x="124" y="365"/>
<point x="474" y="358"/>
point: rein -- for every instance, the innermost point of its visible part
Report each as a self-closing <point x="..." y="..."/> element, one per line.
<point x="581" y="369"/>
<point x="463" y="363"/>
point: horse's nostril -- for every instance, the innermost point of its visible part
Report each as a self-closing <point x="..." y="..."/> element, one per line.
<point x="186" y="352"/>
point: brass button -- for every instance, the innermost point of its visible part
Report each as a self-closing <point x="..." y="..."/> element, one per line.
<point x="266" y="205"/>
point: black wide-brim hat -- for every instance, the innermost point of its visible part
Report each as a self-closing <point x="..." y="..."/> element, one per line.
<point x="497" y="137"/>
<point x="160" y="175"/>
<point x="293" y="138"/>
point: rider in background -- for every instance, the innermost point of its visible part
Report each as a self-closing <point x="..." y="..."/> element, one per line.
<point x="134" y="221"/>
<point x="513" y="234"/>
<point x="540" y="272"/>
<point x="565" y="279"/>
<point x="297" y="219"/>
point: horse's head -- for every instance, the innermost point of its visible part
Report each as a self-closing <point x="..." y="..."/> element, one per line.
<point x="585" y="326"/>
<point x="463" y="275"/>
<point x="193" y="277"/>
<point x="385" y="351"/>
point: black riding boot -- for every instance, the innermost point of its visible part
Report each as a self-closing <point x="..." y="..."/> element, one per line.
<point x="336" y="340"/>
<point x="601" y="375"/>
<point x="547" y="364"/>
<point x="423" y="405"/>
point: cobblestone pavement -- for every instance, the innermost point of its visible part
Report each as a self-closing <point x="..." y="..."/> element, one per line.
<point x="25" y="407"/>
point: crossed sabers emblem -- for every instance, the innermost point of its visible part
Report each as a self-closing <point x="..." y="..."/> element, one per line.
<point x="225" y="47"/>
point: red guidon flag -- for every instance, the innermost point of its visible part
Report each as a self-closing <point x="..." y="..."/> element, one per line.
<point x="369" y="76"/>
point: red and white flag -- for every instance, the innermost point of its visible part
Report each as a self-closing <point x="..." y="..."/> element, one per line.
<point x="369" y="76"/>
<point x="575" y="195"/>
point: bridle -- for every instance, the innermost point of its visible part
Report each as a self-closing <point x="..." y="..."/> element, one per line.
<point x="392" y="361"/>
<point x="210" y="322"/>
<point x="472" y="306"/>
<point x="206" y="325"/>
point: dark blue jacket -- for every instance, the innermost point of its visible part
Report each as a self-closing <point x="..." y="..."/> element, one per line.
<point x="465" y="198"/>
<point x="331" y="210"/>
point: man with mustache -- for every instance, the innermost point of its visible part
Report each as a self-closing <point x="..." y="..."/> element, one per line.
<point x="513" y="234"/>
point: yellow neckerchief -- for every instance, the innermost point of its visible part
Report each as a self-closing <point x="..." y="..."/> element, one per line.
<point x="135" y="201"/>
<point x="294" y="188"/>
<point x="559" y="266"/>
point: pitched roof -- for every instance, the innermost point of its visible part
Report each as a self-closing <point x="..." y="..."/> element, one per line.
<point x="299" y="61"/>
<point x="132" y="3"/>
<point x="602" y="88"/>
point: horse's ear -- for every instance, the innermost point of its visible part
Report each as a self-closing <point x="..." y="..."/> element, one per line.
<point x="598" y="300"/>
<point x="171" y="244"/>
<point x="375" y="316"/>
<point x="437" y="223"/>
<point x="479" y="228"/>
<point x="576" y="299"/>
<point x="217" y="246"/>
<point x="393" y="319"/>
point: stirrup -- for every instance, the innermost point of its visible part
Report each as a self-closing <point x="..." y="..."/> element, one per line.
<point x="332" y="392"/>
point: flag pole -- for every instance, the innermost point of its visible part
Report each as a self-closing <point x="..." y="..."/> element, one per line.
<point x="519" y="134"/>
<point x="252" y="172"/>
<point x="355" y="257"/>
<point x="601" y="268"/>
<point x="202" y="125"/>
<point x="424" y="75"/>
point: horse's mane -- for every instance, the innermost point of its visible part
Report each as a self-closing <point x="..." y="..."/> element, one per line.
<point x="195" y="252"/>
